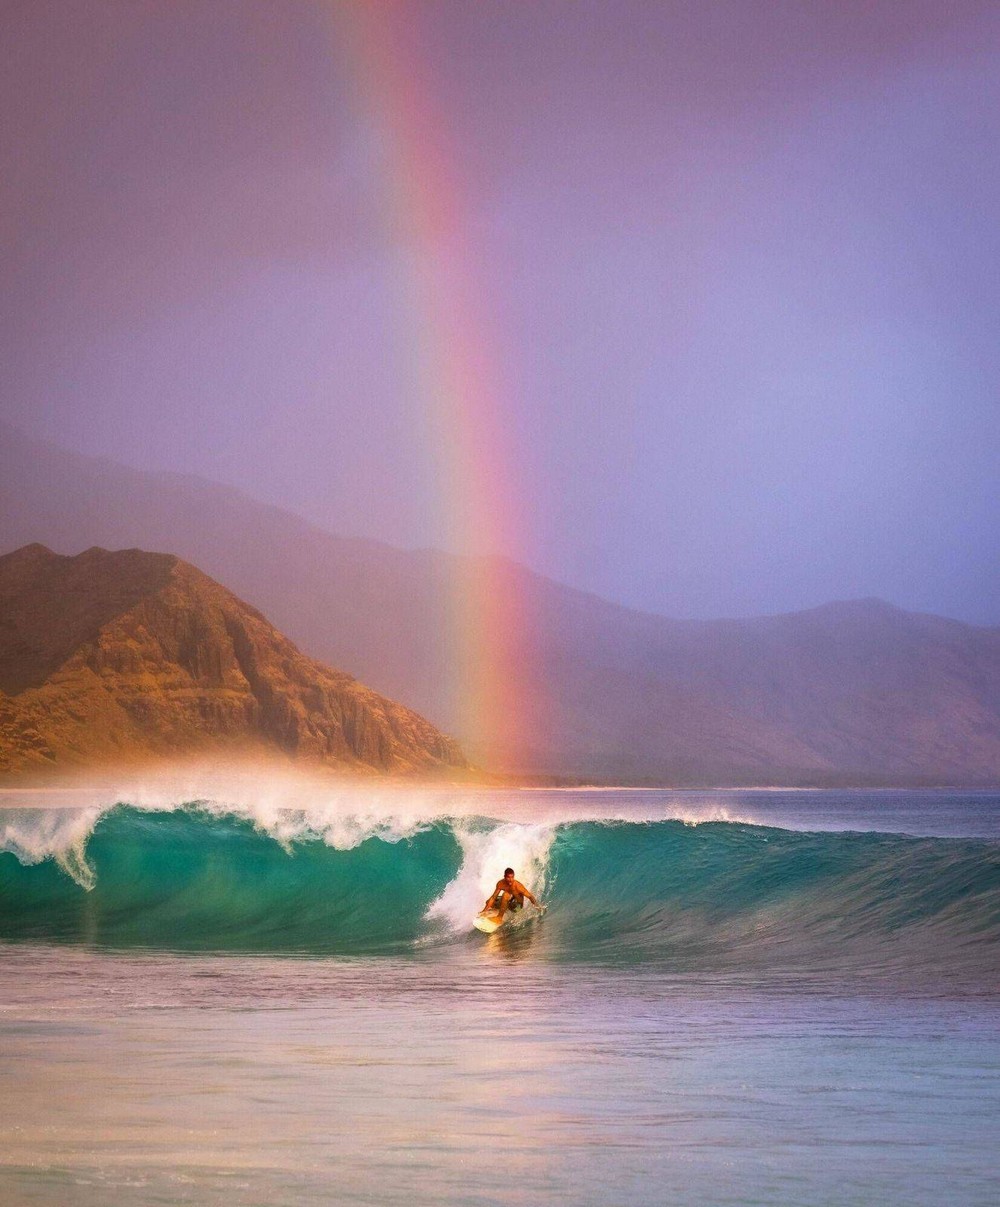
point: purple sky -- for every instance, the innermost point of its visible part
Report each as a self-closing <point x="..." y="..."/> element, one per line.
<point x="740" y="263"/>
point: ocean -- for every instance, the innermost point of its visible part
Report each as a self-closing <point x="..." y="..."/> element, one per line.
<point x="265" y="993"/>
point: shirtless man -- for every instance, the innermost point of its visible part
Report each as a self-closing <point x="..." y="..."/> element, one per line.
<point x="509" y="894"/>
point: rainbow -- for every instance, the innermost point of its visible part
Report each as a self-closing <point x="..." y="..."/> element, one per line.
<point x="453" y="370"/>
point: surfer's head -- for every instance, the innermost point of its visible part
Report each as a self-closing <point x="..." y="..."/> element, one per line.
<point x="508" y="873"/>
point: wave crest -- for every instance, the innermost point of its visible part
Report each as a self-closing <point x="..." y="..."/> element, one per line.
<point x="717" y="895"/>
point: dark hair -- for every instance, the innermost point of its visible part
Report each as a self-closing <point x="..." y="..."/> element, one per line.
<point x="508" y="871"/>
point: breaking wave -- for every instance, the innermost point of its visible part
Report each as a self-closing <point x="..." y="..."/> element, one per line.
<point x="714" y="895"/>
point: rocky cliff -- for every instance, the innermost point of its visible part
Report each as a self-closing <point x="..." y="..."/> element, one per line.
<point x="127" y="655"/>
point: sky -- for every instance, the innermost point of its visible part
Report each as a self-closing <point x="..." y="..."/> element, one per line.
<point x="714" y="286"/>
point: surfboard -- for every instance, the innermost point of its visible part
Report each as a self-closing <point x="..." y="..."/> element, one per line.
<point x="486" y="924"/>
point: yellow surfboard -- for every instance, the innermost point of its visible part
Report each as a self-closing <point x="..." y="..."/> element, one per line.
<point x="487" y="923"/>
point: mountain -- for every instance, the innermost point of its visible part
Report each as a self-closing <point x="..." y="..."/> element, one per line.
<point x="851" y="692"/>
<point x="130" y="655"/>
<point x="369" y="608"/>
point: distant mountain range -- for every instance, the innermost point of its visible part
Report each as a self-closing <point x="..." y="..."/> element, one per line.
<point x="858" y="692"/>
<point x="123" y="657"/>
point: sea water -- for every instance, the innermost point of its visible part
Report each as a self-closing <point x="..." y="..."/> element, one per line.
<point x="269" y="994"/>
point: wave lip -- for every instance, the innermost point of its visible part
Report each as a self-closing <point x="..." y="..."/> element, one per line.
<point x="719" y="896"/>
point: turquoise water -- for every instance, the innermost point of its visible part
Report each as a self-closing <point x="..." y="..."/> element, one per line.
<point x="732" y="998"/>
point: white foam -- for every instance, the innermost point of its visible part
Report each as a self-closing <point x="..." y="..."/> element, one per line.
<point x="485" y="855"/>
<point x="60" y="834"/>
<point x="290" y="807"/>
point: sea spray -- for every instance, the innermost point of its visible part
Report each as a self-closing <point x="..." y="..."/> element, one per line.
<point x="35" y="835"/>
<point x="486" y="852"/>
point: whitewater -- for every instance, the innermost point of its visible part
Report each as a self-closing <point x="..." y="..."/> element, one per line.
<point x="733" y="996"/>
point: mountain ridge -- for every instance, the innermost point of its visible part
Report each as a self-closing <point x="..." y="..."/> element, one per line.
<point x="853" y="691"/>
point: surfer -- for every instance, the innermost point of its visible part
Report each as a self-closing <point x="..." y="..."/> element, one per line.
<point x="509" y="894"/>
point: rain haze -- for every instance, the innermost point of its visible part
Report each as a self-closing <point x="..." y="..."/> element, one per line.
<point x="733" y="267"/>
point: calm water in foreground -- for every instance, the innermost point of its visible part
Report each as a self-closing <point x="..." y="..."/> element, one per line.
<point x="733" y="998"/>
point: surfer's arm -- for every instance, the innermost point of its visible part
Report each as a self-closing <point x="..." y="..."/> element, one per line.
<point x="528" y="893"/>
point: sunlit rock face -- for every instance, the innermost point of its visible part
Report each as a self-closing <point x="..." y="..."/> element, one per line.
<point x="120" y="655"/>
